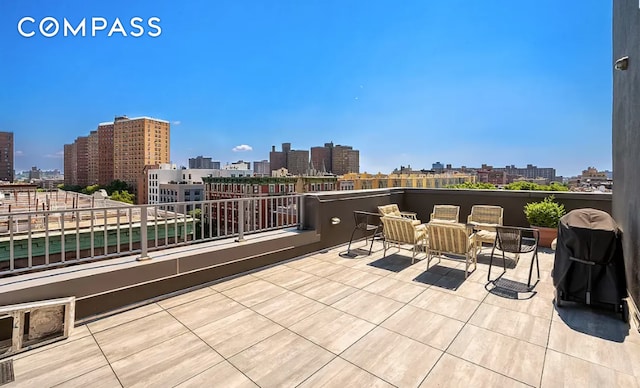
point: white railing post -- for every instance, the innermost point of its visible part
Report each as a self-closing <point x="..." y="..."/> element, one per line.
<point x="240" y="220"/>
<point x="301" y="212"/>
<point x="144" y="249"/>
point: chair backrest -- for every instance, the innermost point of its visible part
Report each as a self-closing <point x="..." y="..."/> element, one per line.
<point x="451" y="238"/>
<point x="398" y="229"/>
<point x="516" y="240"/>
<point x="449" y="213"/>
<point x="390" y="210"/>
<point x="486" y="214"/>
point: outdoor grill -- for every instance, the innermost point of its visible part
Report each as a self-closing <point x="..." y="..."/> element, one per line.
<point x="589" y="265"/>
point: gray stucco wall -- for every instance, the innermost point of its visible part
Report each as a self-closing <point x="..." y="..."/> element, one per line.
<point x="626" y="136"/>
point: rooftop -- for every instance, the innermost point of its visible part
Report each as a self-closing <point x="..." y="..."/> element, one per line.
<point x="324" y="319"/>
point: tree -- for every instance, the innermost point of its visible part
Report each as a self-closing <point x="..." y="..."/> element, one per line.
<point x="90" y="189"/>
<point x="123" y="196"/>
<point x="117" y="185"/>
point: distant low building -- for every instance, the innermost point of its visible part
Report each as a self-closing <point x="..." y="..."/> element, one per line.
<point x="365" y="181"/>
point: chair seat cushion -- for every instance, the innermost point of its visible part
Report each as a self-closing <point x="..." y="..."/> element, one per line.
<point x="485" y="236"/>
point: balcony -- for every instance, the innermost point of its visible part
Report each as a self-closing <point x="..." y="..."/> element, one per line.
<point x="284" y="308"/>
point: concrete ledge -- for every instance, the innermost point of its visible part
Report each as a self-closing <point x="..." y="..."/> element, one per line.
<point x="108" y="285"/>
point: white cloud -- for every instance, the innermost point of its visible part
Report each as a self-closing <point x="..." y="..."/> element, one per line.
<point x="19" y="153"/>
<point x="57" y="155"/>
<point x="177" y="122"/>
<point x="242" y="148"/>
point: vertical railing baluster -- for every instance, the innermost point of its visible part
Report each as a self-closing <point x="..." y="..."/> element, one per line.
<point x="91" y="225"/>
<point x="46" y="238"/>
<point x="29" y="242"/>
<point x="12" y="264"/>
<point x="130" y="229"/>
<point x="62" y="239"/>
<point x="106" y="236"/>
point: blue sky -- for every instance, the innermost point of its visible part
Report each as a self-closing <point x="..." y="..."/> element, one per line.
<point x="407" y="83"/>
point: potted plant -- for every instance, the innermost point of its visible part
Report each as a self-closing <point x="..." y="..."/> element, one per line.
<point x="545" y="216"/>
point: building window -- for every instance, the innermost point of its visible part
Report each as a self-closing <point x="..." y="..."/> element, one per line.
<point x="272" y="188"/>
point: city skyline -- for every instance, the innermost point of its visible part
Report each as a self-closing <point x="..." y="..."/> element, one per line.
<point x="497" y="83"/>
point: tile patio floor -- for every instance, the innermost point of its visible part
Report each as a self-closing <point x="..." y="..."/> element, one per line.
<point x="325" y="320"/>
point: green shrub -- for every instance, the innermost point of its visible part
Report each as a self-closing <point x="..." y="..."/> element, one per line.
<point x="546" y="213"/>
<point x="470" y="185"/>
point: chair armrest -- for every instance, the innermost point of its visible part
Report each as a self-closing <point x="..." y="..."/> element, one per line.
<point x="483" y="226"/>
<point x="412" y="215"/>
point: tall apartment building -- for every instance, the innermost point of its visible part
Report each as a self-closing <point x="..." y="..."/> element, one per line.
<point x="138" y="142"/>
<point x="321" y="158"/>
<point x="296" y="161"/>
<point x="202" y="162"/>
<point x="6" y="156"/>
<point x="277" y="159"/>
<point x="344" y="160"/>
<point x="82" y="160"/>
<point x="531" y="171"/>
<point x="105" y="153"/>
<point x="93" y="158"/>
<point x="261" y="168"/>
<point x="70" y="165"/>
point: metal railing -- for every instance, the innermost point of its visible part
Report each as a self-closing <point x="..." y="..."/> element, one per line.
<point x="36" y="240"/>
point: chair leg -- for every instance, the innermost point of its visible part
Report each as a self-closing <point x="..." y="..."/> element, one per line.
<point x="372" y="240"/>
<point x="491" y="263"/>
<point x="534" y="258"/>
<point x="351" y="239"/>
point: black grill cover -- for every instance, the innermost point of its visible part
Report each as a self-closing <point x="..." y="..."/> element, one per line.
<point x="593" y="236"/>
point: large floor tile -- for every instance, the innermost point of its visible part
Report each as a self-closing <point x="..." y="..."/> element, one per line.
<point x="396" y="359"/>
<point x="288" y="308"/>
<point x="129" y="338"/>
<point x="99" y="378"/>
<point x="394" y="289"/>
<point x="58" y="364"/>
<point x="421" y="325"/>
<point x="284" y="359"/>
<point x="340" y="373"/>
<point x="186" y="297"/>
<point x="332" y="329"/>
<point x="302" y="263"/>
<point x="354" y="278"/>
<point x="237" y="332"/>
<point x="534" y="305"/>
<point x="321" y="268"/>
<point x="459" y="286"/>
<point x="511" y="357"/>
<point x="561" y="370"/>
<point x="368" y="306"/>
<point x="512" y="323"/>
<point x="76" y="333"/>
<point x="123" y="317"/>
<point x="290" y="279"/>
<point x="221" y="375"/>
<point x="442" y="303"/>
<point x="269" y="271"/>
<point x="452" y="371"/>
<point x="597" y="344"/>
<point x="205" y="310"/>
<point x="166" y="364"/>
<point x="326" y="291"/>
<point x="234" y="282"/>
<point x="251" y="294"/>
